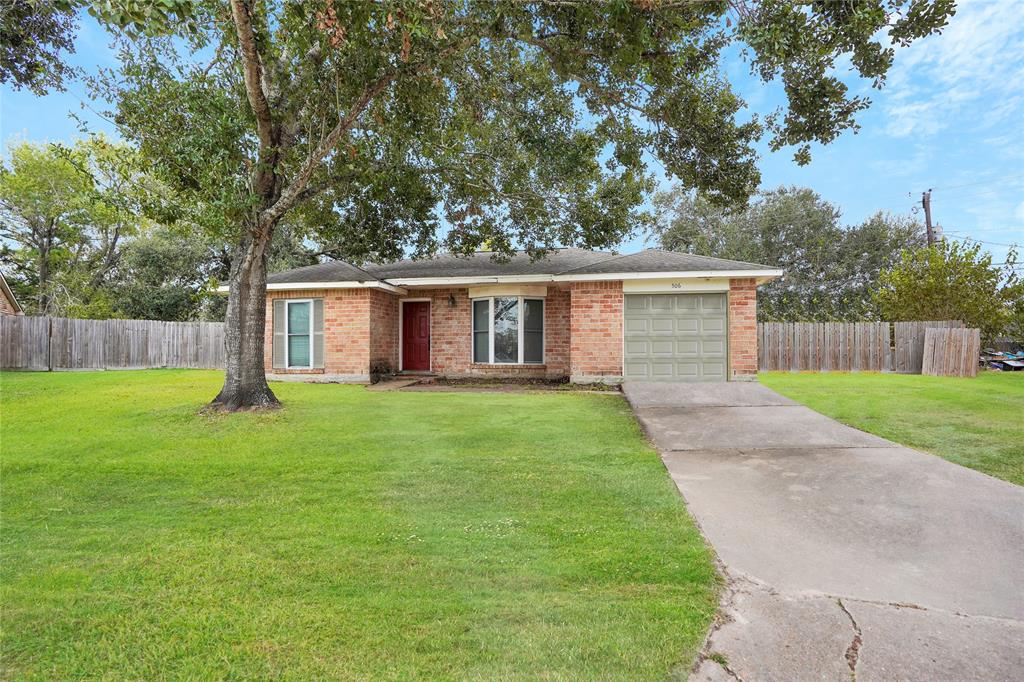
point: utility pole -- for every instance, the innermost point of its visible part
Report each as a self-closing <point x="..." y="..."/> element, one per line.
<point x="926" y="203"/>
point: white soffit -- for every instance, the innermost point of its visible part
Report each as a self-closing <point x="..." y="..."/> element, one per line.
<point x="533" y="290"/>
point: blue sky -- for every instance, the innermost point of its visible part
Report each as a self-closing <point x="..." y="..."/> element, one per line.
<point x="950" y="118"/>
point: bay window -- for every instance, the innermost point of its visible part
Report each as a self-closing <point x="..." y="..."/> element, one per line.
<point x="508" y="330"/>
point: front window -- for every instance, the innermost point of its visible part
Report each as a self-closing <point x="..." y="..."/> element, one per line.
<point x="508" y="330"/>
<point x="299" y="325"/>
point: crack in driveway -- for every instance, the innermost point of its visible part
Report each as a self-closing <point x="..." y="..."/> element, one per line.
<point x="818" y="527"/>
<point x="853" y="651"/>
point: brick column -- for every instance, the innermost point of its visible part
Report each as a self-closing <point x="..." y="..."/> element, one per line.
<point x="743" y="329"/>
<point x="595" y="352"/>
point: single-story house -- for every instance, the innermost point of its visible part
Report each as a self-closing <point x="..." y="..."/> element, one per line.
<point x="8" y="304"/>
<point x="587" y="315"/>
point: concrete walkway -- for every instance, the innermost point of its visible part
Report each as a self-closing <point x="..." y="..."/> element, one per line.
<point x="847" y="556"/>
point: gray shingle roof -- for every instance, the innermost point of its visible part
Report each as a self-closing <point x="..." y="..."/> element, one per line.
<point x="659" y="260"/>
<point x="557" y="262"/>
<point x="480" y="263"/>
<point x="335" y="271"/>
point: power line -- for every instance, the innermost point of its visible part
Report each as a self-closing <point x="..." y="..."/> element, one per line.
<point x="964" y="237"/>
<point x="980" y="182"/>
<point x="981" y="193"/>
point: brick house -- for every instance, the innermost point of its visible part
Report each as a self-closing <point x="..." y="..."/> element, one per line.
<point x="587" y="315"/>
<point x="8" y="304"/>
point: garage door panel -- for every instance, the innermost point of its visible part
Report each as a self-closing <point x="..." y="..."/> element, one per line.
<point x="637" y="347"/>
<point x="680" y="337"/>
<point x="663" y="347"/>
<point x="662" y="303"/>
<point x="687" y="325"/>
<point x="638" y="326"/>
<point x="663" y="370"/>
<point x="710" y="303"/>
<point x="710" y="326"/>
<point x="665" y="325"/>
<point x="713" y="348"/>
<point x="713" y="369"/>
<point x="637" y="369"/>
<point x="687" y="370"/>
<point x="636" y="303"/>
<point x="688" y="348"/>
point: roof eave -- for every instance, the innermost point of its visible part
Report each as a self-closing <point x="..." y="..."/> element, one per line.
<point x="761" y="275"/>
<point x="302" y="286"/>
<point x="398" y="284"/>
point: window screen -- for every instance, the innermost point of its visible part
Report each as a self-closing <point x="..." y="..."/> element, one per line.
<point x="299" y="333"/>
<point x="481" y="334"/>
<point x="533" y="331"/>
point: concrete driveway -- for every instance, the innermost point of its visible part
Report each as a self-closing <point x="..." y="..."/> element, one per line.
<point x="847" y="556"/>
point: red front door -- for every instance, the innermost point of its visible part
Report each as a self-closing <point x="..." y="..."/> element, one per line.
<point x="416" y="336"/>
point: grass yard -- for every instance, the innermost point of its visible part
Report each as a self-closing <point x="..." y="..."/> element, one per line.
<point x="978" y="423"/>
<point x="352" y="535"/>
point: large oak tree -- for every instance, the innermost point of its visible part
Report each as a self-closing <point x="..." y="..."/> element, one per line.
<point x="413" y="124"/>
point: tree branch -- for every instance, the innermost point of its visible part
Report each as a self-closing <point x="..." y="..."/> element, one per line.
<point x="252" y="71"/>
<point x="293" y="192"/>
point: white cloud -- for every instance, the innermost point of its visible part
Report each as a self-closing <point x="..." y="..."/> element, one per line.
<point x="975" y="67"/>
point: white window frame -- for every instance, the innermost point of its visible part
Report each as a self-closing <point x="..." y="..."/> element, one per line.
<point x="287" y="333"/>
<point x="521" y="331"/>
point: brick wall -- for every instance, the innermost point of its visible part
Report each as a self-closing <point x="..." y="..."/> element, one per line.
<point x="346" y="331"/>
<point x="383" y="331"/>
<point x="582" y="326"/>
<point x="743" y="329"/>
<point x="596" y="330"/>
<point x="557" y="337"/>
<point x="451" y="336"/>
<point x="6" y="307"/>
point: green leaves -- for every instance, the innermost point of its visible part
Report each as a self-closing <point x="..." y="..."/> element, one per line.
<point x="831" y="270"/>
<point x="802" y="45"/>
<point x="509" y="123"/>
<point x="954" y="281"/>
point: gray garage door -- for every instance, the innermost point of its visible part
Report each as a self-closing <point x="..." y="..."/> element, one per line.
<point x="676" y="337"/>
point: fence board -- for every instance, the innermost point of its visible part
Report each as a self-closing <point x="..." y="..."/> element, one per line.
<point x="57" y="343"/>
<point x="951" y="352"/>
<point x="24" y="342"/>
<point x="824" y="346"/>
<point x="910" y="343"/>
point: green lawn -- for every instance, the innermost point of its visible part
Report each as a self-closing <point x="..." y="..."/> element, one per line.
<point x="978" y="423"/>
<point x="352" y="535"/>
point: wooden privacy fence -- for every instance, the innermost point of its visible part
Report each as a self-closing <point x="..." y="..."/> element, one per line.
<point x="909" y="343"/>
<point x="843" y="346"/>
<point x="951" y="352"/>
<point x="59" y="343"/>
<point x="823" y="346"/>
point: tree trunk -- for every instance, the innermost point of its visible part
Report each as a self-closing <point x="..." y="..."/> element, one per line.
<point x="43" y="292"/>
<point x="245" y="381"/>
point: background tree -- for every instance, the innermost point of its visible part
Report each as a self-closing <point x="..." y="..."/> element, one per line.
<point x="172" y="273"/>
<point x="516" y="123"/>
<point x="831" y="271"/>
<point x="952" y="281"/>
<point x="66" y="213"/>
<point x="44" y="197"/>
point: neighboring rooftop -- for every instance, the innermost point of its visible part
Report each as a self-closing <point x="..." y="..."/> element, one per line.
<point x="482" y="264"/>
